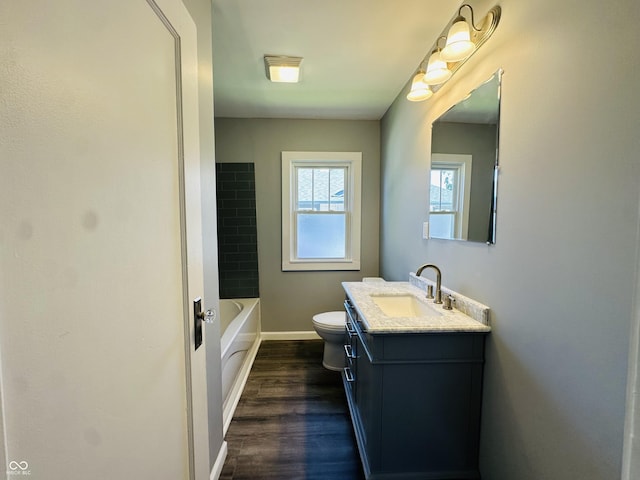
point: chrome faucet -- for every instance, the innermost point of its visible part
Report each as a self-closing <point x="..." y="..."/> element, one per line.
<point x="438" y="280"/>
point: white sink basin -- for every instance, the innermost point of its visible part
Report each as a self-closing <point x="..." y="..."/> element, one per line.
<point x="404" y="306"/>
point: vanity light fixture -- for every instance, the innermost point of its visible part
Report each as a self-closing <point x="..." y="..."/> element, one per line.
<point x="463" y="38"/>
<point x="437" y="70"/>
<point x="459" y="45"/>
<point x="419" y="89"/>
<point x="281" y="68"/>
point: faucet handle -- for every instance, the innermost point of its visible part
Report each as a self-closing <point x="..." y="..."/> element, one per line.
<point x="448" y="300"/>
<point x="429" y="291"/>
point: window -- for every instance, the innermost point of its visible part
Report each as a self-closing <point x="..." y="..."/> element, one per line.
<point x="449" y="193"/>
<point x="321" y="210"/>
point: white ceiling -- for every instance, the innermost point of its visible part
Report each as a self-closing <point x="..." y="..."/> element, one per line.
<point x="358" y="54"/>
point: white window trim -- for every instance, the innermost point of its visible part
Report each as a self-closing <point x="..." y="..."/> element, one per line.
<point x="353" y="203"/>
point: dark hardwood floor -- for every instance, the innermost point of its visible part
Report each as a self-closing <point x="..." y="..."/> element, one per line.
<point x="292" y="421"/>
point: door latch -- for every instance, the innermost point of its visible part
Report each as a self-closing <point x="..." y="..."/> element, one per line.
<point x="198" y="317"/>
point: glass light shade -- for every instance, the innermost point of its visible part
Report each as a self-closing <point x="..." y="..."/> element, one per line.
<point x="437" y="70"/>
<point x="419" y="90"/>
<point x="459" y="45"/>
<point x="287" y="74"/>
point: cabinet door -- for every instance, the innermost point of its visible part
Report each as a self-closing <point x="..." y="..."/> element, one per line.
<point x="430" y="419"/>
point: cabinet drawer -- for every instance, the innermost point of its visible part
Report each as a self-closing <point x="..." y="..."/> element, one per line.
<point x="428" y="348"/>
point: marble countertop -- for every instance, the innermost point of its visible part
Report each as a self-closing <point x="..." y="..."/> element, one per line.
<point x="375" y="321"/>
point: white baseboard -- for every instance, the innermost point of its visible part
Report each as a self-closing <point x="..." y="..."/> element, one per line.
<point x="217" y="467"/>
<point x="302" y="335"/>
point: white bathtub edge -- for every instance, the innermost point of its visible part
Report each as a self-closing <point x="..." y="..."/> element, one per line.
<point x="238" y="385"/>
<point x="302" y="335"/>
<point x="216" y="470"/>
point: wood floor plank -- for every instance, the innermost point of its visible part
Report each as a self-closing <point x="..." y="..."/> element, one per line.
<point x="292" y="421"/>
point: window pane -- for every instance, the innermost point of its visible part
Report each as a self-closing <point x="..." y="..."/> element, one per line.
<point x="305" y="188"/>
<point x="442" y="225"/>
<point x="442" y="190"/>
<point x="321" y="236"/>
<point x="320" y="189"/>
<point x="336" y="189"/>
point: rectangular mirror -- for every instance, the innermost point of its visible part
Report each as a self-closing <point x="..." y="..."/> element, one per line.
<point x="464" y="167"/>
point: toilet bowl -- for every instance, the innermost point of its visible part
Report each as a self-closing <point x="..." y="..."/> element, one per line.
<point x="331" y="328"/>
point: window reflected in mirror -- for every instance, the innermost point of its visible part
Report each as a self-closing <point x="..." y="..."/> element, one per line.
<point x="449" y="195"/>
<point x="464" y="162"/>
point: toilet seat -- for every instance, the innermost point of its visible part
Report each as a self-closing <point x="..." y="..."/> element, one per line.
<point x="332" y="321"/>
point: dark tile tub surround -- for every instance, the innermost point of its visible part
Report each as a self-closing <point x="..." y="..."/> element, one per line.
<point x="237" y="234"/>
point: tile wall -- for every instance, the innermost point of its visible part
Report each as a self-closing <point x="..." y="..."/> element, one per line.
<point x="237" y="234"/>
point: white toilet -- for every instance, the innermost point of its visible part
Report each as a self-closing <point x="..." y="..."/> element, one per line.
<point x="331" y="328"/>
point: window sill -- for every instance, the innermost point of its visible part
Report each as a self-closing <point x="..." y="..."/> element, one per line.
<point x="313" y="266"/>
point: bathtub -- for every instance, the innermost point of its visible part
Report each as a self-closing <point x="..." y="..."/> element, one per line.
<point x="239" y="342"/>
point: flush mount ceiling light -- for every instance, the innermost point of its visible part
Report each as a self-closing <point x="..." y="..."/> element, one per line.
<point x="280" y="68"/>
<point x="463" y="38"/>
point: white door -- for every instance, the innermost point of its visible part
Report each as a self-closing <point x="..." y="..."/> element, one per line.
<point x="100" y="241"/>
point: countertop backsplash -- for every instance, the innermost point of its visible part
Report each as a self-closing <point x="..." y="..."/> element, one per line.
<point x="475" y="310"/>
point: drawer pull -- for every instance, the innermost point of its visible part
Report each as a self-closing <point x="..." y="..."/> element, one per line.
<point x="348" y="375"/>
<point x="351" y="330"/>
<point x="348" y="351"/>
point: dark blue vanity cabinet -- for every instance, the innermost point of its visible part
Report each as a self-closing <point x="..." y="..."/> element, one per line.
<point x="415" y="401"/>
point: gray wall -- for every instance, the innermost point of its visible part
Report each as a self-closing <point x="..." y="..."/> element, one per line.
<point x="200" y="11"/>
<point x="560" y="280"/>
<point x="290" y="299"/>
